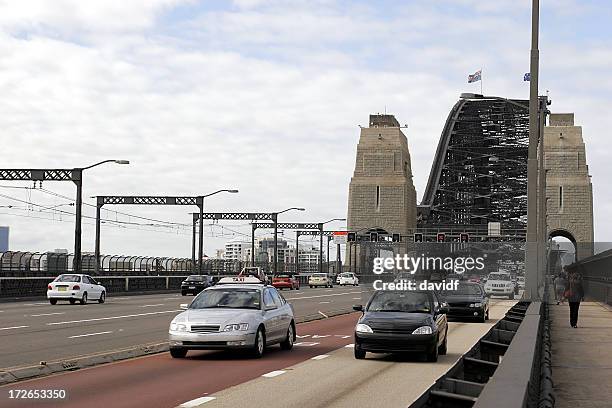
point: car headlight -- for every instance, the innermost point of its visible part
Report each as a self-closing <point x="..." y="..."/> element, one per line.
<point x="423" y="330"/>
<point x="363" y="328"/>
<point x="475" y="304"/>
<point x="178" y="327"/>
<point x="238" y="326"/>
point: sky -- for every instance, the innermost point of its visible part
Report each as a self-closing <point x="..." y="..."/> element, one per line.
<point x="264" y="96"/>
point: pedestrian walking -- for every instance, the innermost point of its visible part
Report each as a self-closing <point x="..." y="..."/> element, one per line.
<point x="574" y="293"/>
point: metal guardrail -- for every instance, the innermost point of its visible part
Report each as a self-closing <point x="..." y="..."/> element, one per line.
<point x="15" y="286"/>
<point x="502" y="370"/>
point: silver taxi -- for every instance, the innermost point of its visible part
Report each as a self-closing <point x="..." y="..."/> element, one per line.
<point x="237" y="313"/>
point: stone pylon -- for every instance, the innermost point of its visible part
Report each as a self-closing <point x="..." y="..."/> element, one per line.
<point x="381" y="192"/>
<point x="569" y="190"/>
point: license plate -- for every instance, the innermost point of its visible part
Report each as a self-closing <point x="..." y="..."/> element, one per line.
<point x="62" y="289"/>
<point x="192" y="287"/>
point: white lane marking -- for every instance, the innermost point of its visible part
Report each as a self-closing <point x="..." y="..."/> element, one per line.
<point x="89" y="334"/>
<point x="159" y="304"/>
<point x="328" y="290"/>
<point x="35" y="304"/>
<point x="340" y="335"/>
<point x="47" y="314"/>
<point x="119" y="298"/>
<point x="320" y="296"/>
<point x="274" y="373"/>
<point x="349" y="346"/>
<point x="302" y="337"/>
<point x="323" y="314"/>
<point x="113" y="317"/>
<point x="357" y="298"/>
<point x="196" y="402"/>
<point x="14" y="327"/>
<point x="320" y="336"/>
<point x="320" y="357"/>
<point x="172" y="298"/>
<point x="321" y="303"/>
<point x="306" y="343"/>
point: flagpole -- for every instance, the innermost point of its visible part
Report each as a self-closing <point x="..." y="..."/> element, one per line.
<point x="481" y="80"/>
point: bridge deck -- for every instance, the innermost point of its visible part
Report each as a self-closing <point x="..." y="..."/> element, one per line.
<point x="582" y="357"/>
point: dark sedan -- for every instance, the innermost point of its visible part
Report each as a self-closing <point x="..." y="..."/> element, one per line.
<point x="469" y="301"/>
<point x="194" y="284"/>
<point x="402" y="321"/>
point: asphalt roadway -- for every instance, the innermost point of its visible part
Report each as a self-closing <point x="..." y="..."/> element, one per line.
<point x="35" y="331"/>
<point x="320" y="371"/>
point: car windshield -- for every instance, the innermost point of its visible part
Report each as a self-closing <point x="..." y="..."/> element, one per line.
<point x="68" y="278"/>
<point x="463" y="289"/>
<point x="499" y="276"/>
<point x="230" y="298"/>
<point x="195" y="278"/>
<point x="319" y="275"/>
<point x="400" y="301"/>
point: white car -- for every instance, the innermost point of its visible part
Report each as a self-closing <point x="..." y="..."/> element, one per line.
<point x="320" y="279"/>
<point x="500" y="284"/>
<point x="73" y="287"/>
<point x="521" y="282"/>
<point x="348" y="278"/>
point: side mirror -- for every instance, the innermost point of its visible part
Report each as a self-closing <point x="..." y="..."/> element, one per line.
<point x="183" y="306"/>
<point x="358" y="308"/>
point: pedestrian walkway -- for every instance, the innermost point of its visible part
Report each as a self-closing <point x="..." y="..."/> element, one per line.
<point x="582" y="357"/>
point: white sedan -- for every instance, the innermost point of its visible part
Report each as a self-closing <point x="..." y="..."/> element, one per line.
<point x="73" y="287"/>
<point x="348" y="278"/>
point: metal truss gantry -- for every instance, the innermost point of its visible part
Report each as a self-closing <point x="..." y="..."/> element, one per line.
<point x="146" y="200"/>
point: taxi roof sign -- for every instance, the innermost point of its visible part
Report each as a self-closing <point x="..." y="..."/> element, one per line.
<point x="240" y="279"/>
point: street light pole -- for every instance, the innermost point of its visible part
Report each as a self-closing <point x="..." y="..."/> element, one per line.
<point x="201" y="234"/>
<point x="275" y="221"/>
<point x="321" y="243"/>
<point x="77" y="178"/>
<point x="531" y="273"/>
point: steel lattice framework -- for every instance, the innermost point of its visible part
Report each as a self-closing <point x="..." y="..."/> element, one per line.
<point x="479" y="173"/>
<point x="38" y="175"/>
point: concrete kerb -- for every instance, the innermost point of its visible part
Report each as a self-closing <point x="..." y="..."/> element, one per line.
<point x="14" y="374"/>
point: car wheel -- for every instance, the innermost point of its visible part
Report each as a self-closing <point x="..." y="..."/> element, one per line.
<point x="53" y="301"/>
<point x="444" y="347"/>
<point x="433" y="355"/>
<point x="287" y="344"/>
<point x="184" y="293"/>
<point x="310" y="286"/>
<point x="176" y="352"/>
<point x="84" y="299"/>
<point x="487" y="316"/>
<point x="359" y="352"/>
<point x="72" y="301"/>
<point x="102" y="297"/>
<point x="260" y="344"/>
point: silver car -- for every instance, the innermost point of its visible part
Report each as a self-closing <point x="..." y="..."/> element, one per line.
<point x="236" y="315"/>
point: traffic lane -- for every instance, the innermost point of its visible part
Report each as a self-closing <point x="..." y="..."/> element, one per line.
<point x="340" y="381"/>
<point x="161" y="381"/>
<point x="92" y="329"/>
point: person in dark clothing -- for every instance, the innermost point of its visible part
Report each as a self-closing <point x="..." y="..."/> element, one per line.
<point x="574" y="294"/>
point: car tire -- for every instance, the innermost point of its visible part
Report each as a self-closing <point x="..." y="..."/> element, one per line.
<point x="360" y="353"/>
<point x="487" y="315"/>
<point x="72" y="301"/>
<point x="102" y="297"/>
<point x="287" y="344"/>
<point x="444" y="347"/>
<point x="310" y="286"/>
<point x="259" y="346"/>
<point x="177" y="352"/>
<point x="53" y="301"/>
<point x="184" y="293"/>
<point x="432" y="357"/>
<point x="83" y="300"/>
